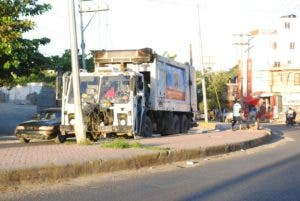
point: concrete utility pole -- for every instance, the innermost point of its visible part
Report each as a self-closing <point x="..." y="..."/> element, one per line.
<point x="209" y="62"/>
<point x="202" y="69"/>
<point x="82" y="28"/>
<point x="241" y="43"/>
<point x="79" y="127"/>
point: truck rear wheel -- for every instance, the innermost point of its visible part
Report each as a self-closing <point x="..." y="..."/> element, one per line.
<point x="23" y="140"/>
<point x="185" y="124"/>
<point x="147" y="127"/>
<point x="176" y="124"/>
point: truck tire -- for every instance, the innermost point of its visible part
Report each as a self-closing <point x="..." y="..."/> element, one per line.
<point x="147" y="127"/>
<point x="60" y="138"/>
<point x="176" y="124"/>
<point x="93" y="137"/>
<point x="23" y="140"/>
<point x="185" y="124"/>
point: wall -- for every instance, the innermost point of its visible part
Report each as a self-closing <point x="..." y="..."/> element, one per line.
<point x="33" y="93"/>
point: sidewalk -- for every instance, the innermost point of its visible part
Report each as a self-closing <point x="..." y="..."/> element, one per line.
<point x="51" y="162"/>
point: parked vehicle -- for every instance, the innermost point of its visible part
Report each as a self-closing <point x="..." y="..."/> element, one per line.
<point x="290" y="120"/>
<point x="228" y="117"/>
<point x="199" y="116"/>
<point x="290" y="116"/>
<point x="45" y="126"/>
<point x="132" y="92"/>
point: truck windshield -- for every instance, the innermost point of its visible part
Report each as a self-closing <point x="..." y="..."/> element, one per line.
<point x="89" y="87"/>
<point x="115" y="89"/>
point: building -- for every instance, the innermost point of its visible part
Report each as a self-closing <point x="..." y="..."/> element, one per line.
<point x="270" y="70"/>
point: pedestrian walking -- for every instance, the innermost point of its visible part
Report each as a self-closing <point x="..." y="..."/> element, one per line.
<point x="237" y="109"/>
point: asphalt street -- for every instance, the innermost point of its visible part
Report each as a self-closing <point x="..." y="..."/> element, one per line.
<point x="269" y="172"/>
<point x="11" y="114"/>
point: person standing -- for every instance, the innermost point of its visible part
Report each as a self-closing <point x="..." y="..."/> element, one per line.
<point x="236" y="113"/>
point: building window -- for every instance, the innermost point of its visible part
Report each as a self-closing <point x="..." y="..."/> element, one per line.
<point x="274" y="45"/>
<point x="289" y="62"/>
<point x="276" y="64"/>
<point x="292" y="45"/>
<point x="297" y="79"/>
<point x="287" y="25"/>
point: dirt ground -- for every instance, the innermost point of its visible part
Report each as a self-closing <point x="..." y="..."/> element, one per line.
<point x="11" y="114"/>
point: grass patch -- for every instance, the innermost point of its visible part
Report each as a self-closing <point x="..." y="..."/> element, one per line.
<point x="116" y="144"/>
<point x="124" y="144"/>
<point x="137" y="144"/>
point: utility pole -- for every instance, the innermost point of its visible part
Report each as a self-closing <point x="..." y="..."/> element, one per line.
<point x="208" y="63"/>
<point x="202" y="68"/>
<point x="79" y="127"/>
<point x="82" y="28"/>
<point x="241" y="43"/>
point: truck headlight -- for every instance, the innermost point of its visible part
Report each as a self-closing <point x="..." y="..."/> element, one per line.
<point x="123" y="122"/>
<point x="72" y="122"/>
<point x="122" y="119"/>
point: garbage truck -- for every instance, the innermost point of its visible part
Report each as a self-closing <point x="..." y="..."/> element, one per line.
<point x="132" y="93"/>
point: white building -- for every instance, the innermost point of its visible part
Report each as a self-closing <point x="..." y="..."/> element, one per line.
<point x="275" y="71"/>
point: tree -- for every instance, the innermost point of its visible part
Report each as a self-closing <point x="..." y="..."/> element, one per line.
<point x="169" y="55"/>
<point x="216" y="88"/>
<point x="63" y="63"/>
<point x="19" y="56"/>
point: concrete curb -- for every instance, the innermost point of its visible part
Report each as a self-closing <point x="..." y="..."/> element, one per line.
<point x="57" y="173"/>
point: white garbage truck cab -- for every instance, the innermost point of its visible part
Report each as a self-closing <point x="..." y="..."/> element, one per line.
<point x="133" y="93"/>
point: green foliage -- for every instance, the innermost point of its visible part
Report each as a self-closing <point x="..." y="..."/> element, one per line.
<point x="169" y="55"/>
<point x="63" y="62"/>
<point x="124" y="144"/>
<point x="137" y="144"/>
<point x="116" y="144"/>
<point x="18" y="56"/>
<point x="216" y="86"/>
<point x="42" y="76"/>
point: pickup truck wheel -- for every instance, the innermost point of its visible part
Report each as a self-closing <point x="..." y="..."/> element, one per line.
<point x="23" y="140"/>
<point x="184" y="124"/>
<point x="147" y="127"/>
<point x="176" y="124"/>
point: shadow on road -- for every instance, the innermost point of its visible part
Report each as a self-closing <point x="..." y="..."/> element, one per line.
<point x="229" y="184"/>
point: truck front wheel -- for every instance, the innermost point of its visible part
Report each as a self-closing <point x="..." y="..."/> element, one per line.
<point x="147" y="127"/>
<point x="60" y="138"/>
<point x="185" y="124"/>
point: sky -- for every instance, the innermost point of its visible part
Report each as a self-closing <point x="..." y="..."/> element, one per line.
<point x="164" y="25"/>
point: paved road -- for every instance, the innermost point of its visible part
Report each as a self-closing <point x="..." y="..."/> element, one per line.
<point x="270" y="172"/>
<point x="11" y="114"/>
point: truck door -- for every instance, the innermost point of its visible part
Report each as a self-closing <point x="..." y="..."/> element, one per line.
<point x="138" y="103"/>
